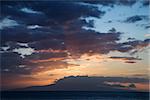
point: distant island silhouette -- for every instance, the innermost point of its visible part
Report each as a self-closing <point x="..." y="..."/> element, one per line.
<point x="85" y="83"/>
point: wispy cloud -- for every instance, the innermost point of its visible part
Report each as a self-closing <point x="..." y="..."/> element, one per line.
<point x="8" y="23"/>
<point x="136" y="18"/>
<point x="28" y="10"/>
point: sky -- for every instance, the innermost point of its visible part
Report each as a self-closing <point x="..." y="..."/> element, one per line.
<point x="43" y="42"/>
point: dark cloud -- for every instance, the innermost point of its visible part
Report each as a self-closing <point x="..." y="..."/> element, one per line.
<point x="53" y="15"/>
<point x="52" y="10"/>
<point x="125" y="58"/>
<point x="85" y="83"/>
<point x="113" y="30"/>
<point x="111" y="2"/>
<point x="10" y="62"/>
<point x="76" y="42"/>
<point x="21" y="34"/>
<point x="55" y="44"/>
<point x="131" y="62"/>
<point x="46" y="55"/>
<point x="131" y="38"/>
<point x="90" y="42"/>
<point x="147" y="27"/>
<point x="146" y="2"/>
<point x="132" y="86"/>
<point x="135" y="45"/>
<point x="136" y="18"/>
<point x="80" y="41"/>
<point x="119" y="85"/>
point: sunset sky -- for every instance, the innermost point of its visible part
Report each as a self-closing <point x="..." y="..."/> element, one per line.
<point x="42" y="42"/>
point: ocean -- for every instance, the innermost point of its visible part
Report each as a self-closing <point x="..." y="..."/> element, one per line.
<point x="74" y="95"/>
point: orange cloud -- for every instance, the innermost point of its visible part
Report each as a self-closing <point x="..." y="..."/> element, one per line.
<point x="50" y="50"/>
<point x="47" y="60"/>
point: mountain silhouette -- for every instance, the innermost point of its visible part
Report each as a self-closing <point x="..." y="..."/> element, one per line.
<point x="85" y="83"/>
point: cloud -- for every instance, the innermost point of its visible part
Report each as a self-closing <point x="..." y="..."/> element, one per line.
<point x="55" y="29"/>
<point x="136" y="18"/>
<point x="21" y="48"/>
<point x="48" y="48"/>
<point x="140" y="75"/>
<point x="8" y="23"/>
<point x="146" y="2"/>
<point x="132" y="86"/>
<point x="23" y="44"/>
<point x="11" y="61"/>
<point x="82" y="41"/>
<point x="121" y="85"/>
<point x="27" y="10"/>
<point x="147" y="35"/>
<point x="112" y="2"/>
<point x="33" y="26"/>
<point x="147" y="27"/>
<point x="35" y="63"/>
<point x="133" y="46"/>
<point x="24" y="35"/>
<point x="55" y="44"/>
<point x="47" y="66"/>
<point x="125" y="58"/>
<point x="24" y="51"/>
<point x="131" y="62"/>
<point x="51" y="14"/>
<point x="4" y="48"/>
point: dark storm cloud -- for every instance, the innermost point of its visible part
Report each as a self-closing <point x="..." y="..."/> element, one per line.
<point x="51" y="16"/>
<point x="55" y="44"/>
<point x="22" y="34"/>
<point x="57" y="12"/>
<point x="136" y="18"/>
<point x="55" y="25"/>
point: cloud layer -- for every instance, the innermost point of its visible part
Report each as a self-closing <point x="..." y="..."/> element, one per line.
<point x="40" y="36"/>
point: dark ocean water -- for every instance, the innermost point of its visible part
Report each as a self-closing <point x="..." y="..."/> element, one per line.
<point x="66" y="95"/>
